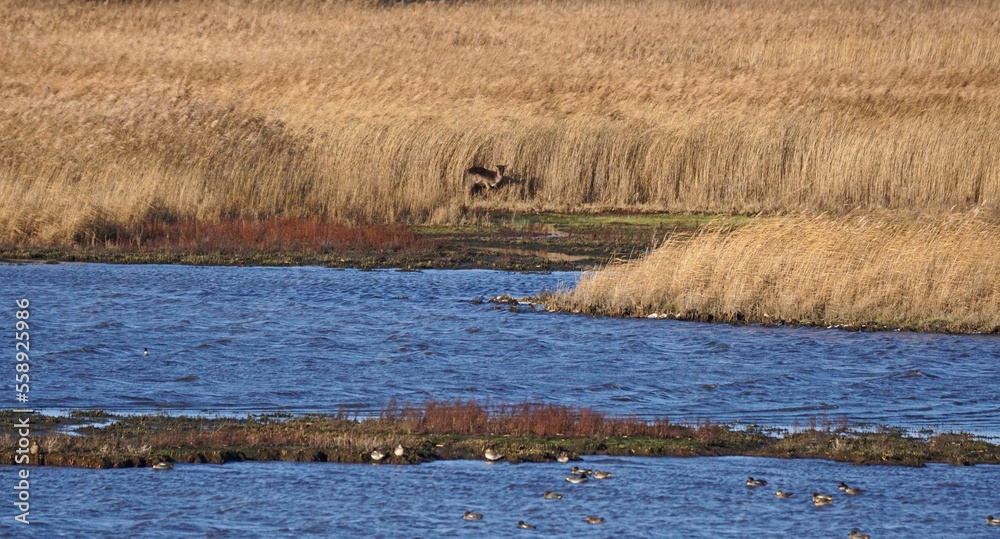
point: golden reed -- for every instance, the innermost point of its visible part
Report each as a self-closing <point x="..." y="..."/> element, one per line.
<point x="858" y="271"/>
<point x="115" y="114"/>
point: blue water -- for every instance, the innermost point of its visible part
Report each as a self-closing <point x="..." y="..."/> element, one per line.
<point x="313" y="339"/>
<point x="646" y="497"/>
<point x="250" y="340"/>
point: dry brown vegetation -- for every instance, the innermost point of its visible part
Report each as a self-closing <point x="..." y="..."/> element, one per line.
<point x="458" y="429"/>
<point x="115" y="113"/>
<point x="276" y="234"/>
<point x="526" y="419"/>
<point x="856" y="272"/>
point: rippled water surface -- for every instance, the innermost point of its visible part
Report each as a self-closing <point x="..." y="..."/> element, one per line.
<point x="665" y="497"/>
<point x="241" y="340"/>
<point x="256" y="339"/>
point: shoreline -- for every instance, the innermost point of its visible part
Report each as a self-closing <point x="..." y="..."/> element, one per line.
<point x="740" y="319"/>
<point x="863" y="272"/>
<point x="614" y="250"/>
<point x="504" y="241"/>
<point x="535" y="433"/>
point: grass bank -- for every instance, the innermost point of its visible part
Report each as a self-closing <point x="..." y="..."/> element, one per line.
<point x="115" y="114"/>
<point x="456" y="430"/>
<point x="860" y="272"/>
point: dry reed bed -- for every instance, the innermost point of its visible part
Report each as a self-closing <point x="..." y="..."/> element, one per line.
<point x="364" y="111"/>
<point x="858" y="272"/>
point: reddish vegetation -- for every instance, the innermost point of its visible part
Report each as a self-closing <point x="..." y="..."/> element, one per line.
<point x="529" y="432"/>
<point x="527" y="419"/>
<point x="275" y="234"/>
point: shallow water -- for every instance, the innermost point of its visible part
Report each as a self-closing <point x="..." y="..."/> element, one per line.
<point x="646" y="497"/>
<point x="313" y="339"/>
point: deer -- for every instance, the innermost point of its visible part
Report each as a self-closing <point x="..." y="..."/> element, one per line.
<point x="482" y="180"/>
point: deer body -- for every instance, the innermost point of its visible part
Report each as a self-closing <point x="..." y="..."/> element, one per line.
<point x="482" y="180"/>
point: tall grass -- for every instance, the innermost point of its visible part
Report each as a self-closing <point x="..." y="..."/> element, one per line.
<point x="872" y="272"/>
<point x="367" y="111"/>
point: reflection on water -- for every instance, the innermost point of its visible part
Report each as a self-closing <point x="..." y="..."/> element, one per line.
<point x="665" y="497"/>
<point x="257" y="339"/>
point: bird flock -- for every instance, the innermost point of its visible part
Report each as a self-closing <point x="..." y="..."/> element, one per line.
<point x="576" y="475"/>
<point x="817" y="499"/>
<point x="582" y="475"/>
